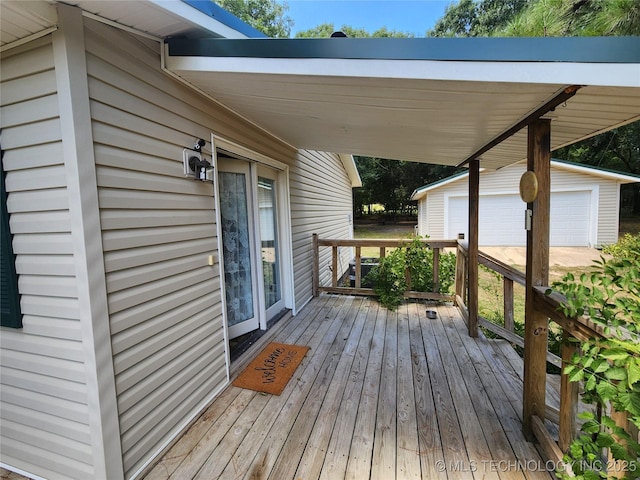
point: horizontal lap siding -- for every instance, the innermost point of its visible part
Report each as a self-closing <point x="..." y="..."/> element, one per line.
<point x="608" y="213"/>
<point x="321" y="202"/>
<point x="506" y="180"/>
<point x="158" y="230"/>
<point x="608" y="203"/>
<point x="45" y="416"/>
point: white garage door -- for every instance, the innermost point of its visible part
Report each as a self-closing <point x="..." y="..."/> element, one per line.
<point x="502" y="219"/>
<point x="570" y="219"/>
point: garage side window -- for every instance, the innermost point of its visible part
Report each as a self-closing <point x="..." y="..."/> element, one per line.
<point x="10" y="314"/>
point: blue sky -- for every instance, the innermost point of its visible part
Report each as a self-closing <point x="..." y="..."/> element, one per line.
<point x="414" y="16"/>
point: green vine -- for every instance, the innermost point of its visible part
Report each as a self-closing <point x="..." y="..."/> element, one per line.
<point x="416" y="258"/>
<point x="608" y="368"/>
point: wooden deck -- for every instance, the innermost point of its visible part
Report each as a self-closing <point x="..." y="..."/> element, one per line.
<point x="381" y="395"/>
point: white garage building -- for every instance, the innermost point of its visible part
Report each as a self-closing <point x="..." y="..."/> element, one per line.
<point x="585" y="203"/>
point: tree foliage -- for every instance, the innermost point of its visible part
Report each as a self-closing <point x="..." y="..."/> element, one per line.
<point x="469" y="18"/>
<point x="549" y="18"/>
<point x="538" y="18"/>
<point x="267" y="16"/>
<point x="391" y="183"/>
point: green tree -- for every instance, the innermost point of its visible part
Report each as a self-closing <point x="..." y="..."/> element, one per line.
<point x="267" y="16"/>
<point x="549" y="18"/>
<point x="391" y="182"/>
<point x="469" y="18"/>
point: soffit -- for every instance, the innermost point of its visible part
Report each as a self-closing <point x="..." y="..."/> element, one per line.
<point x="430" y="119"/>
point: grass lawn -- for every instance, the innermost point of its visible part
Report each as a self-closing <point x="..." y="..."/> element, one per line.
<point x="381" y="231"/>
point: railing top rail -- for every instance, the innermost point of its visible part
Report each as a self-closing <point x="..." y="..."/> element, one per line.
<point x="382" y="242"/>
<point x="502" y="268"/>
<point x="581" y="328"/>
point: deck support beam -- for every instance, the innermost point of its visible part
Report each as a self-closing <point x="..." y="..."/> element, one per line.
<point x="537" y="274"/>
<point x="472" y="264"/>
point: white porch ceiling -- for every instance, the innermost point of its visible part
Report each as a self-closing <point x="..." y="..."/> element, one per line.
<point x="424" y="111"/>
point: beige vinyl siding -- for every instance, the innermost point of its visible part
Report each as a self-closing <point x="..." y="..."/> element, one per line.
<point x="423" y="216"/>
<point x="321" y="202"/>
<point x="608" y="213"/>
<point x="45" y="414"/>
<point x="435" y="215"/>
<point x="158" y="230"/>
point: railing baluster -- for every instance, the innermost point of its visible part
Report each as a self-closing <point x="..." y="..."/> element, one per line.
<point x="316" y="266"/>
<point x="507" y="290"/>
<point x="617" y="469"/>
<point x="568" y="397"/>
<point x="334" y="267"/>
<point x="436" y="269"/>
<point x="358" y="268"/>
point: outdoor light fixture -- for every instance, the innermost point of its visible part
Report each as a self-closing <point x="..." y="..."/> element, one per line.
<point x="195" y="166"/>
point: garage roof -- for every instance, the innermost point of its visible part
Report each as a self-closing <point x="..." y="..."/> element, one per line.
<point x="621" y="178"/>
<point x="423" y="99"/>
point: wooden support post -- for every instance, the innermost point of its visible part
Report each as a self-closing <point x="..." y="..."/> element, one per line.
<point x="568" y="398"/>
<point x="472" y="260"/>
<point x="316" y="266"/>
<point x="537" y="274"/>
<point x="507" y="296"/>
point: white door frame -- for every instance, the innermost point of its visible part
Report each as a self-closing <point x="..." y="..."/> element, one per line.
<point x="284" y="218"/>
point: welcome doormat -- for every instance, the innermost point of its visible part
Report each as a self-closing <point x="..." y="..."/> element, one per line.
<point x="273" y="367"/>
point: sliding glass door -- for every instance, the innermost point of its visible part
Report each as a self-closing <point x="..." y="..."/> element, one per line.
<point x="269" y="241"/>
<point x="234" y="188"/>
<point x="250" y="244"/>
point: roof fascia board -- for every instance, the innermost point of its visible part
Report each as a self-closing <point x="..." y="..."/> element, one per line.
<point x="559" y="74"/>
<point x="220" y="24"/>
<point x="476" y="49"/>
<point x="352" y="170"/>
<point x="598" y="172"/>
<point x="422" y="191"/>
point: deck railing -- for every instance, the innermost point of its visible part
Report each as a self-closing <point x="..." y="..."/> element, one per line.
<point x="382" y="245"/>
<point x="581" y="329"/>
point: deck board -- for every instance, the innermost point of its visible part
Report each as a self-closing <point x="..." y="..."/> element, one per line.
<point x="388" y="395"/>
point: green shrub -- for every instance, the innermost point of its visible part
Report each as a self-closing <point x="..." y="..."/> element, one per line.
<point x="389" y="277"/>
<point x="628" y="246"/>
<point x="609" y="369"/>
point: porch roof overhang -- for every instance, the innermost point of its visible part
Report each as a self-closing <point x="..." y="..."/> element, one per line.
<point x="430" y="100"/>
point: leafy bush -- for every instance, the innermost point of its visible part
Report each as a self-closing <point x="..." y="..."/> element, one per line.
<point x="609" y="368"/>
<point x="627" y="246"/>
<point x="416" y="258"/>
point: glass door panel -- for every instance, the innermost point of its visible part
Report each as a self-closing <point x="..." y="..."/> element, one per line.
<point x="270" y="244"/>
<point x="269" y="241"/>
<point x="237" y="241"/>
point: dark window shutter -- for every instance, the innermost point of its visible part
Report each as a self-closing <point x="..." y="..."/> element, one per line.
<point x="10" y="314"/>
